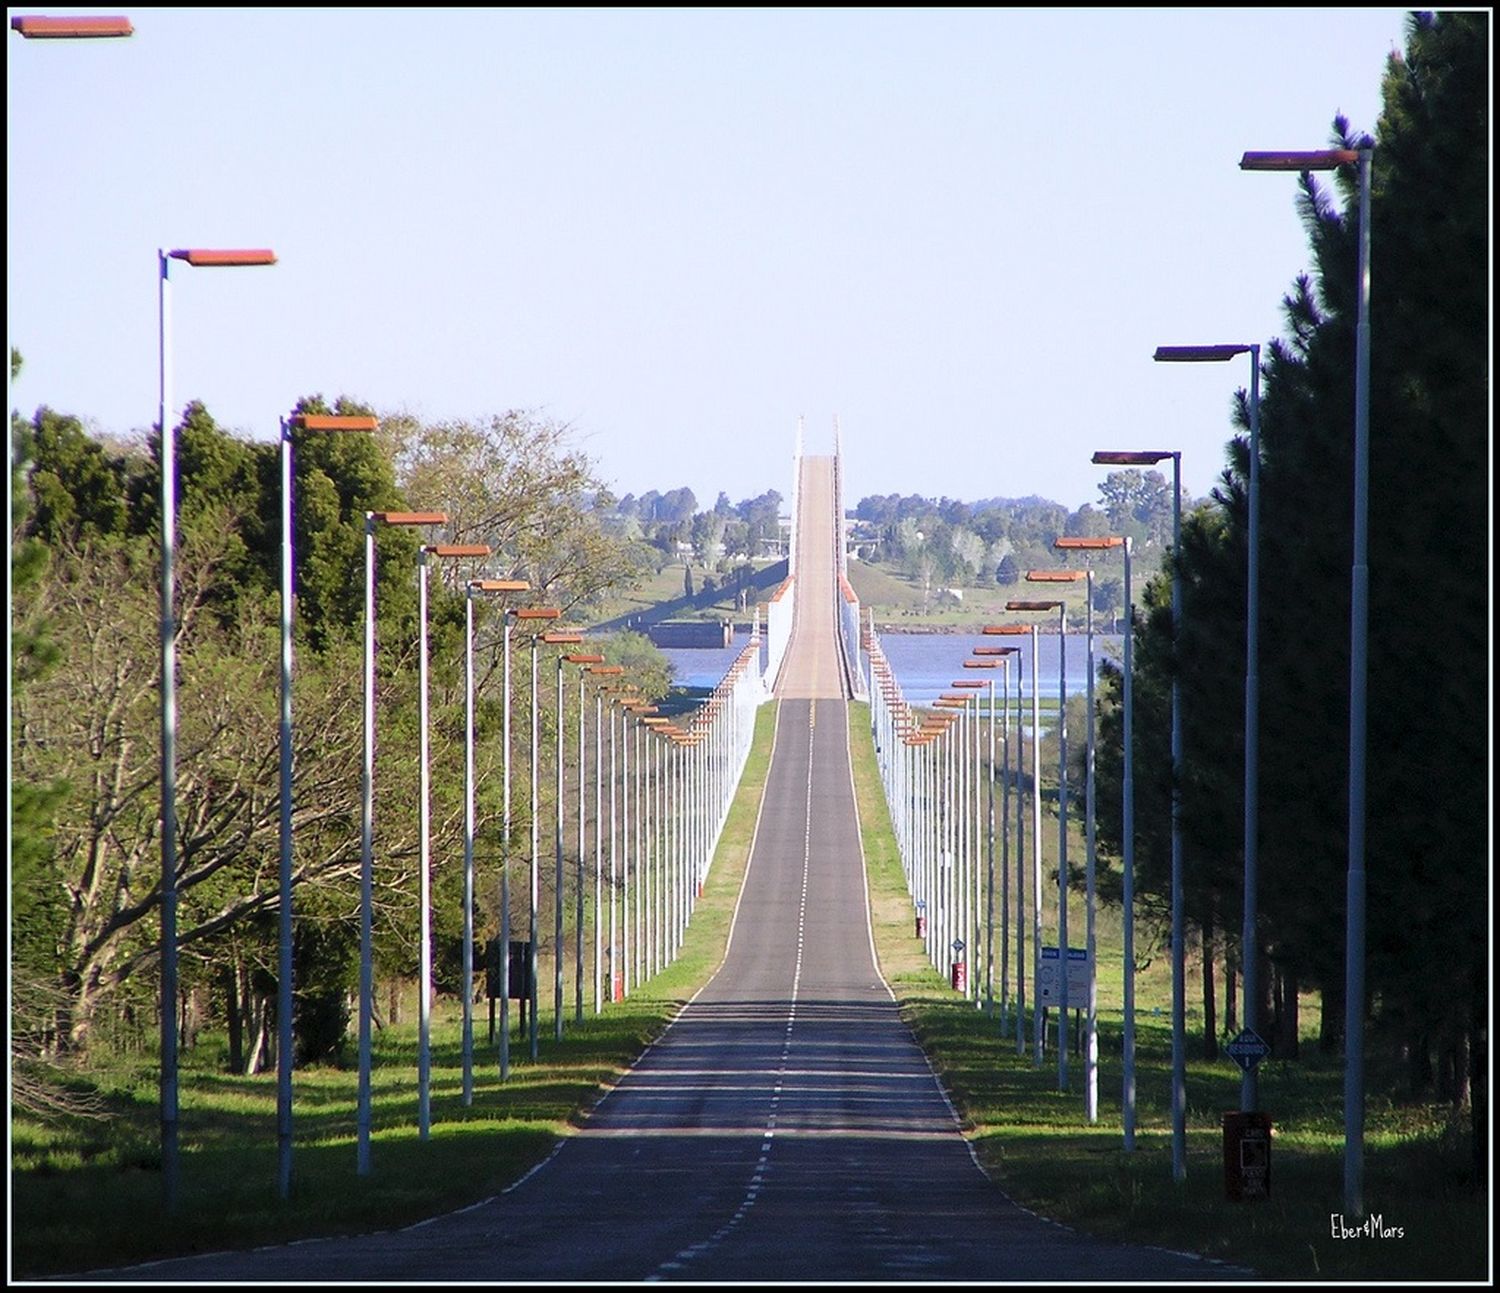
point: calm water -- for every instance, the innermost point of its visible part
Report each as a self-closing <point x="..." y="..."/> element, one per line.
<point x="925" y="664"/>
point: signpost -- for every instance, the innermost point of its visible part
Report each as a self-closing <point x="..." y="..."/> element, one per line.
<point x="1049" y="986"/>
<point x="1247" y="1135"/>
<point x="1248" y="1049"/>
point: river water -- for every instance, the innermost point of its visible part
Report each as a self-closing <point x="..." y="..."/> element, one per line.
<point x="926" y="664"/>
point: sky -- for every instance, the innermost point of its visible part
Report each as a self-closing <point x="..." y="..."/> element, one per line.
<point x="957" y="235"/>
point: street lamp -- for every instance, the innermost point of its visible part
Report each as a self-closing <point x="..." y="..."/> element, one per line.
<point x="1111" y="457"/>
<point x="1038" y="1040"/>
<point x="367" y="823"/>
<point x="969" y="757"/>
<point x="474" y="586"/>
<point x="424" y="876"/>
<point x="585" y="663"/>
<point x="304" y="422"/>
<point x="1091" y="1058"/>
<point x="561" y="639"/>
<point x="1127" y="790"/>
<point x="1054" y="576"/>
<point x="1249" y="943"/>
<point x="169" y="1103"/>
<point x="528" y="614"/>
<point x="989" y="845"/>
<point x="1002" y="655"/>
<point x="643" y="890"/>
<point x="600" y="670"/>
<point x="46" y="27"/>
<point x="534" y="873"/>
<point x="1359" y="615"/>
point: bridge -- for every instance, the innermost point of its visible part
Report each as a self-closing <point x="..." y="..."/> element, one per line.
<point x="786" y="1127"/>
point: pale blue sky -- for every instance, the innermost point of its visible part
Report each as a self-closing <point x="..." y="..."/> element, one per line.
<point x="960" y="232"/>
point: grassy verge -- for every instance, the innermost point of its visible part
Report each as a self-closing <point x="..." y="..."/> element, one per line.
<point x="87" y="1194"/>
<point x="1037" y="1143"/>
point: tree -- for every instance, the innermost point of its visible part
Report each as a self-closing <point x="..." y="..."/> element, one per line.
<point x="511" y="482"/>
<point x="1427" y="964"/>
<point x="1007" y="572"/>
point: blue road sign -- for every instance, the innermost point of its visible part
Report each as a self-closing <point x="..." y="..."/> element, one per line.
<point x="1247" y="1050"/>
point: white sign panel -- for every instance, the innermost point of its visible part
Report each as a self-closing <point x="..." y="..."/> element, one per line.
<point x="1048" y="986"/>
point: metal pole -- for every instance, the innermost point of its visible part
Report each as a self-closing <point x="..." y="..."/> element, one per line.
<point x="614" y="966"/>
<point x="1020" y="863"/>
<point x="169" y="1101"/>
<point x="505" y="865"/>
<point x="1039" y="1045"/>
<point x="626" y="889"/>
<point x="579" y="909"/>
<point x="1249" y="941"/>
<point x="535" y="869"/>
<point x="557" y="923"/>
<point x="989" y="908"/>
<point x="468" y="1039"/>
<point x="424" y="877"/>
<point x="1062" y="847"/>
<point x="1005" y="1011"/>
<point x="1127" y="789"/>
<point x="284" y="968"/>
<point x="1179" y="1081"/>
<point x="1354" y="964"/>
<point x="1091" y="1045"/>
<point x="367" y="859"/>
<point x="598" y="851"/>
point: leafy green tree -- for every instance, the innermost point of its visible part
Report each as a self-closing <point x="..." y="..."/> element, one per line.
<point x="1426" y="859"/>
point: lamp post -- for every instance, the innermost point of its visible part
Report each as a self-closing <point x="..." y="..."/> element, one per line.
<point x="967" y="907"/>
<point x="367" y="824"/>
<point x="424" y="875"/>
<point x="197" y="258"/>
<point x="303" y="422"/>
<point x="584" y="663"/>
<point x="47" y="27"/>
<point x="1249" y="943"/>
<point x="1002" y="658"/>
<point x="474" y="586"/>
<point x="1359" y="579"/>
<point x="1127" y="795"/>
<point x="598" y="670"/>
<point x="1052" y="576"/>
<point x="534" y="870"/>
<point x="989" y="845"/>
<point x="1179" y="1078"/>
<point x="558" y="949"/>
<point x="1038" y="1041"/>
<point x="1078" y="543"/>
<point x="643" y="889"/>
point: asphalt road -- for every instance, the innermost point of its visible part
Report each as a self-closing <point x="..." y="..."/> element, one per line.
<point x="786" y="1127"/>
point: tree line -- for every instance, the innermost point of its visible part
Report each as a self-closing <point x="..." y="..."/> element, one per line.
<point x="1426" y="841"/>
<point x="85" y="736"/>
<point x="996" y="540"/>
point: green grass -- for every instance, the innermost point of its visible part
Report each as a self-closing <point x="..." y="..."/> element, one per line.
<point x="1038" y="1145"/>
<point x="87" y="1194"/>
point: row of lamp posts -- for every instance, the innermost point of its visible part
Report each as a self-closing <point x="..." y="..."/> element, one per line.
<point x="73" y="27"/>
<point x="719" y="749"/>
<point x="706" y="757"/>
<point x="885" y="704"/>
<point x="906" y="785"/>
